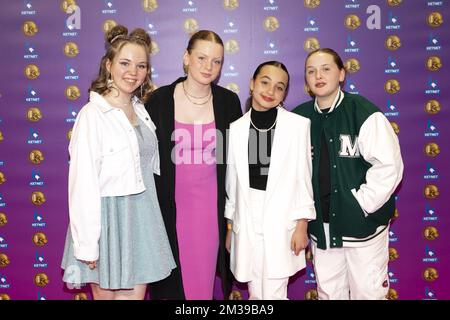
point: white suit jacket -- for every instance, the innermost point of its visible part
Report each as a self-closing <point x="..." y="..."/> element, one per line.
<point x="289" y="195"/>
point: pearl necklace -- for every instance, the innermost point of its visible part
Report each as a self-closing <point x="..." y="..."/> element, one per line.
<point x="208" y="96"/>
<point x="262" y="130"/>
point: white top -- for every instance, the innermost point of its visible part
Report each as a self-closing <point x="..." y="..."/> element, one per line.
<point x="104" y="161"/>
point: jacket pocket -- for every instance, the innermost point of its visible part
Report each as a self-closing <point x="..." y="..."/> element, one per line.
<point x="116" y="160"/>
<point x="112" y="150"/>
<point x="353" y="192"/>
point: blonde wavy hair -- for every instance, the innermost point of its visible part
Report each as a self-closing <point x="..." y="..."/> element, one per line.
<point x="116" y="39"/>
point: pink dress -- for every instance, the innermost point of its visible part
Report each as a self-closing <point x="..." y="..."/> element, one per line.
<point x="196" y="205"/>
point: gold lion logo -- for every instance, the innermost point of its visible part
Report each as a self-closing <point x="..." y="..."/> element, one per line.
<point x="312" y="294"/>
<point x="435" y="19"/>
<point x="271" y="24"/>
<point x="34" y="114"/>
<point x="71" y="49"/>
<point x="431" y="191"/>
<point x="393" y="43"/>
<point x="3" y="219"/>
<point x="432" y="149"/>
<point x="233" y="87"/>
<point x="434" y="63"/>
<point x="69" y="134"/>
<point x="149" y="5"/>
<point x="231" y="46"/>
<point x="396" y="214"/>
<point x="311" y="44"/>
<point x="394" y="3"/>
<point x="41" y="280"/>
<point x="2" y="178"/>
<point x="352" y="21"/>
<point x="29" y="28"/>
<point x="190" y="26"/>
<point x="66" y="4"/>
<point x="72" y="92"/>
<point x="32" y="71"/>
<point x="430" y="233"/>
<point x="352" y="65"/>
<point x="430" y="274"/>
<point x="40" y="239"/>
<point x="393" y="254"/>
<point x="392" y="294"/>
<point x="392" y="86"/>
<point x="37" y="198"/>
<point x="108" y="25"/>
<point x="36" y="156"/>
<point x="395" y="127"/>
<point x="4" y="296"/>
<point x="80" y="296"/>
<point x="235" y="295"/>
<point x="230" y="4"/>
<point x="4" y="260"/>
<point x="154" y="48"/>
<point x="432" y="106"/>
<point x="1" y="136"/>
<point x="311" y="4"/>
<point x="309" y="255"/>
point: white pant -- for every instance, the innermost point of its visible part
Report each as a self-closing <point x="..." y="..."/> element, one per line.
<point x="261" y="287"/>
<point x="356" y="273"/>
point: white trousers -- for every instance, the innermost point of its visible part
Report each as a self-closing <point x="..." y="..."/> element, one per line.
<point x="356" y="273"/>
<point x="261" y="287"/>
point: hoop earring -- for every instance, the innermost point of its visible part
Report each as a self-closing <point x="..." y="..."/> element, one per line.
<point x="109" y="82"/>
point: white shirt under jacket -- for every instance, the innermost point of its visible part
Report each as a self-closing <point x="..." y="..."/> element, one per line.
<point x="104" y="162"/>
<point x="289" y="196"/>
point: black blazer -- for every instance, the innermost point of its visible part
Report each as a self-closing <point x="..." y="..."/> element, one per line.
<point x="227" y="108"/>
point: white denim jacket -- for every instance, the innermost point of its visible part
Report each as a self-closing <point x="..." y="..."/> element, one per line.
<point x="104" y="161"/>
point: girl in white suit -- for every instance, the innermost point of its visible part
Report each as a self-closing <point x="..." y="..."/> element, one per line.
<point x="268" y="185"/>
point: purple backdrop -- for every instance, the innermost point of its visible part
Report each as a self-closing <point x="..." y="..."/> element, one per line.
<point x="254" y="31"/>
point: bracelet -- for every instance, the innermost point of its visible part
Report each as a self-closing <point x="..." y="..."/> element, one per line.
<point x="229" y="226"/>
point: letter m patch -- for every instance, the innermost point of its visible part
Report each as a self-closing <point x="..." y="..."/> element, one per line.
<point x="349" y="149"/>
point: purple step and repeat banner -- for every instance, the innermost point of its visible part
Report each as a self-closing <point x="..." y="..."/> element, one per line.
<point x="396" y="53"/>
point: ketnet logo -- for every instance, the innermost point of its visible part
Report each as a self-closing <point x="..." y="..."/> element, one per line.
<point x="30" y="51"/>
<point x="109" y="7"/>
<point x="430" y="255"/>
<point x="433" y="43"/>
<point x="28" y="9"/>
<point x="352" y="4"/>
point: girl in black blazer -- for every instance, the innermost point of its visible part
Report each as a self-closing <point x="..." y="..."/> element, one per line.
<point x="189" y="101"/>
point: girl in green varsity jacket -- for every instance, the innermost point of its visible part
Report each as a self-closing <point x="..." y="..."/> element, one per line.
<point x="357" y="166"/>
